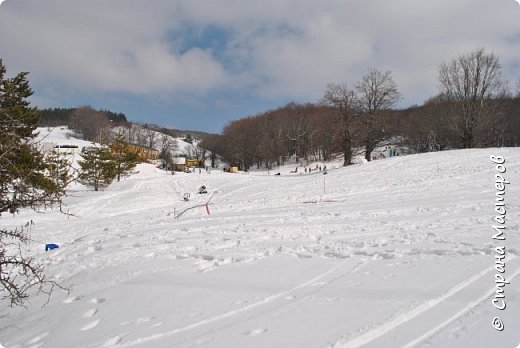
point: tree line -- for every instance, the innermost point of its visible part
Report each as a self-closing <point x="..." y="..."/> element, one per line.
<point x="55" y="117"/>
<point x="474" y="107"/>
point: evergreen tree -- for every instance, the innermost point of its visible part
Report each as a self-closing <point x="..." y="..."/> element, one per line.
<point x="98" y="168"/>
<point x="125" y="159"/>
<point x="60" y="170"/>
<point x="25" y="181"/>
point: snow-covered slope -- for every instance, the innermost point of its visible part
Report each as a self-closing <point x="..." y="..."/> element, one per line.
<point x="59" y="136"/>
<point x="140" y="134"/>
<point x="394" y="253"/>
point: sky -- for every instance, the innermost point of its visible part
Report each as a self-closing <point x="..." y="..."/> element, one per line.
<point x="200" y="64"/>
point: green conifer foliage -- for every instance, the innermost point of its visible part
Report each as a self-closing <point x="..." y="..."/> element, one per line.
<point x="98" y="168"/>
<point x="59" y="169"/>
<point x="26" y="181"/>
<point x="126" y="160"/>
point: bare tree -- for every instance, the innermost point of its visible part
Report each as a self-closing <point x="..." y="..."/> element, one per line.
<point x="301" y="131"/>
<point x="151" y="136"/>
<point x="377" y="92"/>
<point x="197" y="153"/>
<point x="427" y="128"/>
<point x="214" y="145"/>
<point x="242" y="146"/>
<point x="470" y="84"/>
<point x="137" y="135"/>
<point x="133" y="133"/>
<point x="91" y="123"/>
<point x="345" y="104"/>
<point x="298" y="130"/>
<point x="168" y="145"/>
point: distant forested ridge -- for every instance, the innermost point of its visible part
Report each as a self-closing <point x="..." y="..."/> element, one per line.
<point x="62" y="116"/>
<point x="54" y="117"/>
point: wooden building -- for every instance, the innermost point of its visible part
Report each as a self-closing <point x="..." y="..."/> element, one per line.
<point x="179" y="164"/>
<point x="146" y="153"/>
<point x="193" y="163"/>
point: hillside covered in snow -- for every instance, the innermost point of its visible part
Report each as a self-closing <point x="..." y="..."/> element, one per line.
<point x="394" y="253"/>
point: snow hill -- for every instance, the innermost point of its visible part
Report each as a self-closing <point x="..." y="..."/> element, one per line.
<point x="51" y="136"/>
<point x="394" y="253"/>
<point x="181" y="148"/>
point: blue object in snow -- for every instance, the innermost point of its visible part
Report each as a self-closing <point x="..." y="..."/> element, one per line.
<point x="51" y="247"/>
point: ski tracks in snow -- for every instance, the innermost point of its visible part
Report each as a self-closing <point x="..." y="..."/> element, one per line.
<point x="233" y="313"/>
<point x="408" y="317"/>
<point x="457" y="315"/>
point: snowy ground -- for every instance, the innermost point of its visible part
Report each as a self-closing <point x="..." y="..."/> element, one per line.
<point x="394" y="253"/>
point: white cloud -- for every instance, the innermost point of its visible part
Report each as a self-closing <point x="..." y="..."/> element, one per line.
<point x="277" y="49"/>
<point x="102" y="47"/>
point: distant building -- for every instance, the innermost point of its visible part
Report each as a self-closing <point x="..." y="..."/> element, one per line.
<point x="193" y="163"/>
<point x="66" y="148"/>
<point x="146" y="153"/>
<point x="179" y="164"/>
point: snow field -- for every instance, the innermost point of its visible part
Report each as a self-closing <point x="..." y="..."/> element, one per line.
<point x="394" y="253"/>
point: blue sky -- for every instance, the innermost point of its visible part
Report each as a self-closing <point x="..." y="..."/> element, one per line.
<point x="200" y="64"/>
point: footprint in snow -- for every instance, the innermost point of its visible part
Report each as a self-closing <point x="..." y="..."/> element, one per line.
<point x="38" y="338"/>
<point x="90" y="313"/>
<point x="114" y="341"/>
<point x="138" y="321"/>
<point x="90" y="325"/>
<point x="37" y="345"/>
<point x="204" y="340"/>
<point x="92" y="249"/>
<point x="97" y="300"/>
<point x="144" y="320"/>
<point x="255" y="332"/>
<point x="71" y="299"/>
